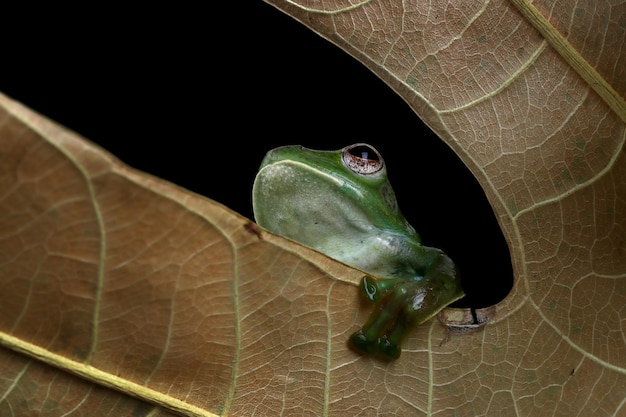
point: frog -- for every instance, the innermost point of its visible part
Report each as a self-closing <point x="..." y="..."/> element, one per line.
<point x="341" y="203"/>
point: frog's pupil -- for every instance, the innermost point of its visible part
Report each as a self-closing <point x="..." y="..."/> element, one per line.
<point x="364" y="152"/>
<point x="362" y="159"/>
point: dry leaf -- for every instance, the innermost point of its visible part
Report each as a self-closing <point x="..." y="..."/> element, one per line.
<point x="531" y="97"/>
<point x="113" y="279"/>
<point x="134" y="284"/>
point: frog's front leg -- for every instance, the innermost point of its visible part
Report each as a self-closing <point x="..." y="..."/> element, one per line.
<point x="374" y="289"/>
<point x="401" y="304"/>
<point x="393" y="316"/>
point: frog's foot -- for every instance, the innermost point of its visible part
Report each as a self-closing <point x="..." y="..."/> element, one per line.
<point x="383" y="332"/>
<point x="380" y="346"/>
<point x="380" y="335"/>
<point x="400" y="305"/>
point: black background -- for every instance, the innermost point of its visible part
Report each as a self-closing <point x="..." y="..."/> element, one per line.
<point x="198" y="96"/>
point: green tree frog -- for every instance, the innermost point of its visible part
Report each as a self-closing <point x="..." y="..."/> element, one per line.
<point x="341" y="204"/>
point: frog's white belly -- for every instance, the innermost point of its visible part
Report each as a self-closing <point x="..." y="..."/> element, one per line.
<point x="379" y="252"/>
<point x="376" y="253"/>
<point x="330" y="215"/>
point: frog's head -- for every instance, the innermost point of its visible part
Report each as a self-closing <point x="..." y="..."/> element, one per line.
<point x="307" y="194"/>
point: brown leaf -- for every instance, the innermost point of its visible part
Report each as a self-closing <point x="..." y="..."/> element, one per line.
<point x="112" y="279"/>
<point x="134" y="284"/>
<point x="531" y="97"/>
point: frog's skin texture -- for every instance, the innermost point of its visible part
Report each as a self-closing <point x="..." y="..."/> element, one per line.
<point x="341" y="204"/>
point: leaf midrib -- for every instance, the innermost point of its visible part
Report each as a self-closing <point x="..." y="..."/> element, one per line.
<point x="565" y="49"/>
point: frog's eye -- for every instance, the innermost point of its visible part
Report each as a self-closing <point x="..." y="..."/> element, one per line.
<point x="362" y="159"/>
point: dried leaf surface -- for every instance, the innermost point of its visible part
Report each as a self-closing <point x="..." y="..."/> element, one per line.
<point x="135" y="284"/>
<point x="531" y="97"/>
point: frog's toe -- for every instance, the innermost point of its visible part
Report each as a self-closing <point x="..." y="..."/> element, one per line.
<point x="380" y="346"/>
<point x="361" y="343"/>
<point x="387" y="348"/>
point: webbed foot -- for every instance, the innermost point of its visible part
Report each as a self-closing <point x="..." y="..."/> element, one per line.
<point x="400" y="305"/>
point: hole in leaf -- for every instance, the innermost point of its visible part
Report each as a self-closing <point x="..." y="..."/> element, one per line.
<point x="445" y="203"/>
